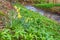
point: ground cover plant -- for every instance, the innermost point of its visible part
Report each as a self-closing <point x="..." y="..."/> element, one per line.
<point x="25" y="24"/>
<point x="46" y="5"/>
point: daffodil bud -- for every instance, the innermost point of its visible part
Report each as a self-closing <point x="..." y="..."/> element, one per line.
<point x="15" y="7"/>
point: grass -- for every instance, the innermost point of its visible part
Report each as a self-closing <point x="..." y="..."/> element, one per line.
<point x="58" y="5"/>
<point x="46" y="5"/>
<point x="32" y="26"/>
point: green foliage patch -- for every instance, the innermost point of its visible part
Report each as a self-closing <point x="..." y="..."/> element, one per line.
<point x="46" y="5"/>
<point x="57" y="5"/>
<point x="32" y="26"/>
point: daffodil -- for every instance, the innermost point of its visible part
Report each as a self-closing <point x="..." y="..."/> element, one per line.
<point x="15" y="7"/>
<point x="19" y="16"/>
<point x="18" y="11"/>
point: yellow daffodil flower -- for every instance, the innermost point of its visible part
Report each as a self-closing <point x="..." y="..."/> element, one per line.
<point x="19" y="16"/>
<point x="18" y="11"/>
<point x="15" y="7"/>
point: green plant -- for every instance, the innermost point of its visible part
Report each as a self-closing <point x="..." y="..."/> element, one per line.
<point x="46" y="5"/>
<point x="57" y="5"/>
<point x="32" y="26"/>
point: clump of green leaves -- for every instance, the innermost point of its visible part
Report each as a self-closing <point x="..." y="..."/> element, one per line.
<point x="32" y="26"/>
